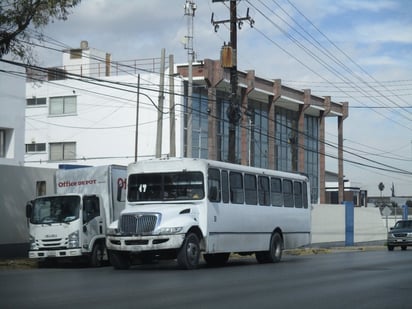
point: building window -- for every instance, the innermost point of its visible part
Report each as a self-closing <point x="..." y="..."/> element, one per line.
<point x="36" y="147"/>
<point x="36" y="101"/>
<point x="2" y="143"/>
<point x="76" y="53"/>
<point x="62" y="151"/>
<point x="40" y="188"/>
<point x="63" y="105"/>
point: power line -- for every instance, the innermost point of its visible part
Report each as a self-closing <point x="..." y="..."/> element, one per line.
<point x="389" y="168"/>
<point x="316" y="58"/>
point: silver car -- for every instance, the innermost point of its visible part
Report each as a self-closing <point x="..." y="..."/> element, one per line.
<point x="400" y="235"/>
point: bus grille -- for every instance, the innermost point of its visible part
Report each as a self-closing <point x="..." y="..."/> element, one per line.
<point x="138" y="224"/>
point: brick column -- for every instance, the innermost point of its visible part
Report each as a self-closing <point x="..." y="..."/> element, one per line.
<point x="277" y="89"/>
<point x="213" y="74"/>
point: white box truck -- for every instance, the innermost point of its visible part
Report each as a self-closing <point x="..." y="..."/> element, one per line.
<point x="72" y="223"/>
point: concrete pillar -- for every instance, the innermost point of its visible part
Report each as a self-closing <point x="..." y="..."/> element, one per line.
<point x="301" y="130"/>
<point x="244" y="130"/>
<point x="340" y="150"/>
<point x="322" y="158"/>
<point x="213" y="74"/>
<point x="212" y="137"/>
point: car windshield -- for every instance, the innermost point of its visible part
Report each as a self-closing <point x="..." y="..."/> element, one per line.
<point x="403" y="224"/>
<point x="165" y="186"/>
<point x="58" y="209"/>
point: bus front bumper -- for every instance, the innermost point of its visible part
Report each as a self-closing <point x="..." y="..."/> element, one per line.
<point x="144" y="243"/>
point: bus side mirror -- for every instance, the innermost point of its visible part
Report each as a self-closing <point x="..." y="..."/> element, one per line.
<point x="29" y="209"/>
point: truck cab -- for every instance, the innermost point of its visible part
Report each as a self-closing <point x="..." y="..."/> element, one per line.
<point x="68" y="226"/>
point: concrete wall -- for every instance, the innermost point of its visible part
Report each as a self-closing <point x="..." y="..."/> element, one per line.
<point x="17" y="186"/>
<point x="12" y="107"/>
<point x="328" y="224"/>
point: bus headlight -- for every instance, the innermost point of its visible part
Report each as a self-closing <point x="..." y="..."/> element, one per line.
<point x="113" y="228"/>
<point x="169" y="230"/>
<point x="33" y="245"/>
<point x="112" y="231"/>
<point x="73" y="240"/>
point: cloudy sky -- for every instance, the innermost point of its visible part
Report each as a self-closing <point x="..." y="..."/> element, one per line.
<point x="359" y="51"/>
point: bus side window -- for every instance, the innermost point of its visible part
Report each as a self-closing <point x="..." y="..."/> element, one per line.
<point x="276" y="190"/>
<point x="263" y="189"/>
<point x="288" y="193"/>
<point x="305" y="194"/>
<point x="225" y="187"/>
<point x="297" y="192"/>
<point x="250" y="189"/>
<point x="214" y="185"/>
<point x="236" y="188"/>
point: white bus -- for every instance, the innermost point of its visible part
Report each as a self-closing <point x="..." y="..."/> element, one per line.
<point x="183" y="207"/>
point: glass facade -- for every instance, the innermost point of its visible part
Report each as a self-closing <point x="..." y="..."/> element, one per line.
<point x="258" y="133"/>
<point x="286" y="135"/>
<point x="312" y="154"/>
<point x="286" y="140"/>
<point x="199" y="123"/>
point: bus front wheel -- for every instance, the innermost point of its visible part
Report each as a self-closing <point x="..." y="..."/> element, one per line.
<point x="274" y="254"/>
<point x="189" y="253"/>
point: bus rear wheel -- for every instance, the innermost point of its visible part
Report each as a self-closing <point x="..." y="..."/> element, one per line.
<point x="274" y="255"/>
<point x="189" y="253"/>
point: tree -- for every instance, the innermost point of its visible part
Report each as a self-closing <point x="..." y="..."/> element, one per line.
<point x="17" y="15"/>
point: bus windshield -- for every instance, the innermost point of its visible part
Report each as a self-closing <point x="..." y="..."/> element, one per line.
<point x="56" y="209"/>
<point x="165" y="186"/>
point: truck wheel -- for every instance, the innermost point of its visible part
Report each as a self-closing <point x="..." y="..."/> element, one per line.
<point x="217" y="259"/>
<point x="274" y="254"/>
<point x="99" y="255"/>
<point x="390" y="248"/>
<point x="189" y="253"/>
<point x="404" y="247"/>
<point x="119" y="259"/>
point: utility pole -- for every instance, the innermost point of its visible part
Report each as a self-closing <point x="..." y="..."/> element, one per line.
<point x="137" y="120"/>
<point x="190" y="8"/>
<point x="160" y="107"/>
<point x="172" y="122"/>
<point x="229" y="60"/>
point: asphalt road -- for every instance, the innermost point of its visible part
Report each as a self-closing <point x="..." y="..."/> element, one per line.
<point x="368" y="279"/>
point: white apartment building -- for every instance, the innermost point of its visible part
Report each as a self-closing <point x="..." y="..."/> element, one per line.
<point x="85" y="112"/>
<point x="12" y="106"/>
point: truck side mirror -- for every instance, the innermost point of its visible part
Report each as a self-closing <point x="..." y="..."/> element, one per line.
<point x="29" y="209"/>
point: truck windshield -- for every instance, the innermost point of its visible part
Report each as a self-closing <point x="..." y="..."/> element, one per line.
<point x="57" y="209"/>
<point x="165" y="186"/>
